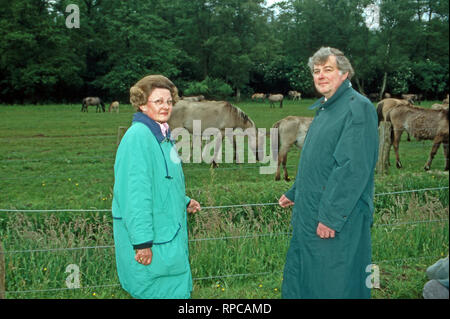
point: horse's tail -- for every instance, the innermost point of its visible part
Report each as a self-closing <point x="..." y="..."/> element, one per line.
<point x="380" y="112"/>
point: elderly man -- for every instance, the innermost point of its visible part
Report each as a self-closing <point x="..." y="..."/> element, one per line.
<point x="330" y="251"/>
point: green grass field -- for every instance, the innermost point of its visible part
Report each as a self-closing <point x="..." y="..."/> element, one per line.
<point x="53" y="158"/>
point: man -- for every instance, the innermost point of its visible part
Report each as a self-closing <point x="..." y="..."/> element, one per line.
<point x="330" y="251"/>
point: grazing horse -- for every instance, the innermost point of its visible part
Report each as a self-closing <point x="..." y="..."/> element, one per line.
<point x="114" y="107"/>
<point x="258" y="96"/>
<point x="273" y="98"/>
<point x="412" y="98"/>
<point x="423" y="124"/>
<point x="92" y="101"/>
<point x="291" y="129"/>
<point x="212" y="114"/>
<point x="295" y="95"/>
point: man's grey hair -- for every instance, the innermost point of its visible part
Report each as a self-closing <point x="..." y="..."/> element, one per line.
<point x="322" y="55"/>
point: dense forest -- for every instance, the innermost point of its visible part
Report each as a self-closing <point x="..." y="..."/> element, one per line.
<point x="219" y="48"/>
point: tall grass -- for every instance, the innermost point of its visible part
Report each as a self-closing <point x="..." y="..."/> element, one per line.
<point x="55" y="157"/>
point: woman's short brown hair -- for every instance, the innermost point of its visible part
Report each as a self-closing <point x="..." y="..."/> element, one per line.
<point x="140" y="92"/>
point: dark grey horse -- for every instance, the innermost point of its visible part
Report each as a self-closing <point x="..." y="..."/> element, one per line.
<point x="92" y="101"/>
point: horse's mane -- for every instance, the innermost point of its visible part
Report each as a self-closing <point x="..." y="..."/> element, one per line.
<point x="234" y="109"/>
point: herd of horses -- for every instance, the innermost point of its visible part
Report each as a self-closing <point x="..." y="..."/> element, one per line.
<point x="99" y="104"/>
<point x="276" y="98"/>
<point x="404" y="116"/>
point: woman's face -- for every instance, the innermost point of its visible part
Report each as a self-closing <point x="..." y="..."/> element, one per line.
<point x="159" y="105"/>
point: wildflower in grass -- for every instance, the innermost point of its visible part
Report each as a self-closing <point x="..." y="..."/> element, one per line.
<point x="69" y="179"/>
<point x="94" y="294"/>
<point x="275" y="289"/>
<point x="45" y="268"/>
<point x="43" y="184"/>
<point x="223" y="289"/>
<point x="260" y="286"/>
<point x="76" y="184"/>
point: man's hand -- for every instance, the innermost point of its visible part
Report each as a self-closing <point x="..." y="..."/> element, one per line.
<point x="193" y="206"/>
<point x="324" y="231"/>
<point x="285" y="202"/>
<point x="144" y="256"/>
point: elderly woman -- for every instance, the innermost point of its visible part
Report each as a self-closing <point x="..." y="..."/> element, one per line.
<point x="149" y="205"/>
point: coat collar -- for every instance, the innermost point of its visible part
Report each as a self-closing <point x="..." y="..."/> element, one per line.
<point x="152" y="125"/>
<point x="322" y="103"/>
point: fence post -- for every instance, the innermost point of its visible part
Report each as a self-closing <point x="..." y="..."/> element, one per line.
<point x="2" y="273"/>
<point x="120" y="133"/>
<point x="384" y="147"/>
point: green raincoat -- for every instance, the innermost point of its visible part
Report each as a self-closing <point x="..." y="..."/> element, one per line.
<point x="149" y="210"/>
<point x="334" y="186"/>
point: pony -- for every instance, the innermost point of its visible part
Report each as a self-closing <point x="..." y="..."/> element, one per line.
<point x="114" y="106"/>
<point x="387" y="105"/>
<point x="423" y="124"/>
<point x="212" y="114"/>
<point x="258" y="96"/>
<point x="291" y="129"/>
<point x="295" y="95"/>
<point x="273" y="98"/>
<point x="92" y="101"/>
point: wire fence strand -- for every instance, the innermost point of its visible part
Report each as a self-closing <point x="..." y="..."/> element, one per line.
<point x="206" y="207"/>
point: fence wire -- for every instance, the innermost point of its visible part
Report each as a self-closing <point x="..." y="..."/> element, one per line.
<point x="208" y="239"/>
<point x="117" y="285"/>
<point x="203" y="208"/>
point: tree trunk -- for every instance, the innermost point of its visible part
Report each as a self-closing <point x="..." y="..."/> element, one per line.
<point x="383" y="85"/>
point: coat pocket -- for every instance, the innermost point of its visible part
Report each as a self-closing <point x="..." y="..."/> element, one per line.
<point x="169" y="251"/>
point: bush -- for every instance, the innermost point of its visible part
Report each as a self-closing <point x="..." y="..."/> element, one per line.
<point x="209" y="87"/>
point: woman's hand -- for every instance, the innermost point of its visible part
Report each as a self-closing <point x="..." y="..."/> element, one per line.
<point x="285" y="202"/>
<point x="324" y="231"/>
<point x="144" y="256"/>
<point x="193" y="206"/>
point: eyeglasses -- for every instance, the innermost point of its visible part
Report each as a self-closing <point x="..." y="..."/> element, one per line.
<point x="160" y="102"/>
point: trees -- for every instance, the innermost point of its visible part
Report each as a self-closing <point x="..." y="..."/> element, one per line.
<point x="227" y="43"/>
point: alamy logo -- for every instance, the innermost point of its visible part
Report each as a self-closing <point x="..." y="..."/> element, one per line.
<point x="373" y="280"/>
<point x="73" y="280"/>
<point x="206" y="146"/>
<point x="73" y="19"/>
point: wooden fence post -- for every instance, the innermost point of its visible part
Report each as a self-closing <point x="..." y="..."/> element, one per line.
<point x="120" y="133"/>
<point x="2" y="273"/>
<point x="384" y="147"/>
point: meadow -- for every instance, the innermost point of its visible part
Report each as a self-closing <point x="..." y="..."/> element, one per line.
<point x="56" y="181"/>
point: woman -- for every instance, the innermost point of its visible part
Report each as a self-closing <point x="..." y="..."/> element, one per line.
<point x="149" y="205"/>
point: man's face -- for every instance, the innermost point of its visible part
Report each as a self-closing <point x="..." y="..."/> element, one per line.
<point x="327" y="77"/>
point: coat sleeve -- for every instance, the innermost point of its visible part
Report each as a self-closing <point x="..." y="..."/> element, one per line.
<point x="354" y="161"/>
<point x="290" y="194"/>
<point x="137" y="176"/>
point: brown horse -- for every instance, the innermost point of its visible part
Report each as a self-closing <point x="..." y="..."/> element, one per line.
<point x="291" y="129"/>
<point x="295" y="95"/>
<point x="220" y="115"/>
<point x="87" y="101"/>
<point x="387" y="105"/>
<point x="258" y="96"/>
<point x="114" y="107"/>
<point x="423" y="124"/>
